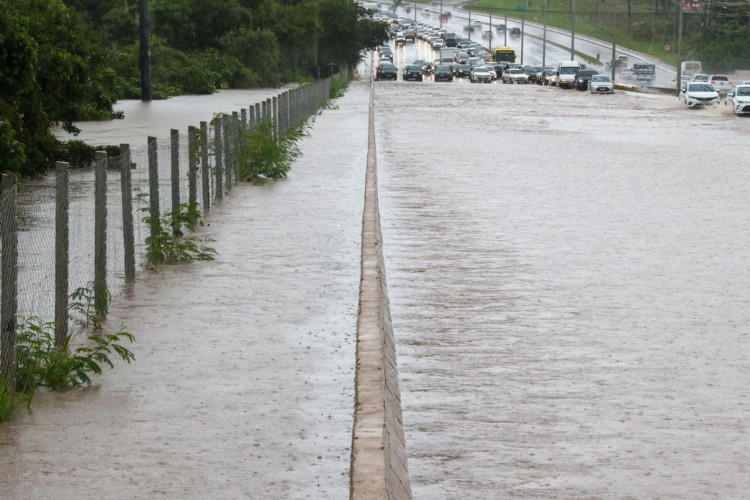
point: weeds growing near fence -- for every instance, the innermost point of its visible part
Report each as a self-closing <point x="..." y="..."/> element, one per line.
<point x="40" y="363"/>
<point x="168" y="242"/>
<point x="264" y="154"/>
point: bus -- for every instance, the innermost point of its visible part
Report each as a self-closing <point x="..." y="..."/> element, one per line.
<point x="504" y="54"/>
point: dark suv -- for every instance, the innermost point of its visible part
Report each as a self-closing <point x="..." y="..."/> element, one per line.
<point x="583" y="77"/>
<point x="386" y="72"/>
<point x="413" y="72"/>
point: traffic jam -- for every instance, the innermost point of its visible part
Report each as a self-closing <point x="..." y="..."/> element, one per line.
<point x="420" y="52"/>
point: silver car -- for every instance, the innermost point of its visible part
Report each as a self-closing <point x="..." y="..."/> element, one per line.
<point x="601" y="84"/>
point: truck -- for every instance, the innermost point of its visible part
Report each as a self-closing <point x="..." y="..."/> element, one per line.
<point x="566" y="73"/>
<point x="644" y="71"/>
<point x="447" y="54"/>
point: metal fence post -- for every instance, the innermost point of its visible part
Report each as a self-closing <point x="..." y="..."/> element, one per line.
<point x="9" y="292"/>
<point x="175" y="179"/>
<point x="218" y="154"/>
<point x="101" y="298"/>
<point x="275" y="115"/>
<point x="62" y="250"/>
<point x="205" y="180"/>
<point x="192" y="168"/>
<point x="128" y="228"/>
<point x="228" y="152"/>
<point x="154" y="211"/>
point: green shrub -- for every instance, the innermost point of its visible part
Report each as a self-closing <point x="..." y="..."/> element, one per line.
<point x="264" y="154"/>
<point x="42" y="364"/>
<point x="168" y="242"/>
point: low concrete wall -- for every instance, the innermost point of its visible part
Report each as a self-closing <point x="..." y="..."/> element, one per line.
<point x="379" y="466"/>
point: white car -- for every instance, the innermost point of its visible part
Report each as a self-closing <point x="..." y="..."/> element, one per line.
<point x="480" y="74"/>
<point x="721" y="83"/>
<point x="515" y="75"/>
<point x="698" y="94"/>
<point x="739" y="98"/>
<point x="601" y="84"/>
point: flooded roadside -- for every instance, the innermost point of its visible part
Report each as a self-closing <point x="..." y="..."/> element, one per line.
<point x="243" y="381"/>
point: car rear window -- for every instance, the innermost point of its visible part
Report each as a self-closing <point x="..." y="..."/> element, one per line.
<point x="720" y="78"/>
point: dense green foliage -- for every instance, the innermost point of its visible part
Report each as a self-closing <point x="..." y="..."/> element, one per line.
<point x="69" y="60"/>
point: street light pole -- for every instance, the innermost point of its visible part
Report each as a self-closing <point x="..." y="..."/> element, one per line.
<point x="544" y="37"/>
<point x="523" y="33"/>
<point x="614" y="39"/>
<point x="573" y="31"/>
<point x="441" y="13"/>
<point x="505" y="31"/>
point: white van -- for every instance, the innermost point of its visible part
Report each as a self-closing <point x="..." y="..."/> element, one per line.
<point x="566" y="73"/>
<point x="690" y="68"/>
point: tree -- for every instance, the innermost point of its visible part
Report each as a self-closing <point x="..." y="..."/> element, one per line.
<point x="51" y="70"/>
<point x="346" y="32"/>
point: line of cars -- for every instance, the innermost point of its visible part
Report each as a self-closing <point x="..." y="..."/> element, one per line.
<point x="706" y="90"/>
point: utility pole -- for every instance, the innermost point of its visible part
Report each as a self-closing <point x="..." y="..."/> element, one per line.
<point x="145" y="53"/>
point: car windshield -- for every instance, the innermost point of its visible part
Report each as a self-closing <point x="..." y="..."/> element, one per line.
<point x="743" y="91"/>
<point x="389" y="67"/>
<point x="700" y="87"/>
<point x="599" y="78"/>
<point x="413" y="68"/>
<point x="568" y="71"/>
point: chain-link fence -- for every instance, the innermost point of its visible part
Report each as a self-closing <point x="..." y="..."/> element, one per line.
<point x="87" y="228"/>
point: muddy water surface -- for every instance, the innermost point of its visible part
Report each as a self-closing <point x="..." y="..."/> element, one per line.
<point x="568" y="281"/>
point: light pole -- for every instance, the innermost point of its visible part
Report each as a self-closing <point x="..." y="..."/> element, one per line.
<point x="470" y="27"/>
<point x="523" y="33"/>
<point x="573" y="30"/>
<point x="544" y="36"/>
<point x="505" y="31"/>
<point x="614" y="39"/>
<point x="441" y="13"/>
<point x="490" y="42"/>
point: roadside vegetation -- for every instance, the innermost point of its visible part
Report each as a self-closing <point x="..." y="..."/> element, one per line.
<point x="67" y="61"/>
<point x="720" y="38"/>
<point x="41" y="362"/>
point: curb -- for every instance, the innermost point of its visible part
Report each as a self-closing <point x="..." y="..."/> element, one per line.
<point x="378" y="464"/>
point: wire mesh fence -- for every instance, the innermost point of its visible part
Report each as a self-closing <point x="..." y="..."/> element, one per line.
<point x="90" y="227"/>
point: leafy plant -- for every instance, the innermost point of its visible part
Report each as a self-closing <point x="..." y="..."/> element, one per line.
<point x="168" y="242"/>
<point x="262" y="153"/>
<point x="41" y="364"/>
<point x="9" y="400"/>
<point x="90" y="310"/>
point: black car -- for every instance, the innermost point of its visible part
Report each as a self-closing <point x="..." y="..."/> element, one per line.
<point x="583" y="77"/>
<point x="515" y="32"/>
<point x="533" y="72"/>
<point x="386" y="72"/>
<point x="444" y="73"/>
<point x="412" y="72"/>
<point x="462" y="71"/>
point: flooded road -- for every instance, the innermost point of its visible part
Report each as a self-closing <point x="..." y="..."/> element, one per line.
<point x="568" y="283"/>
